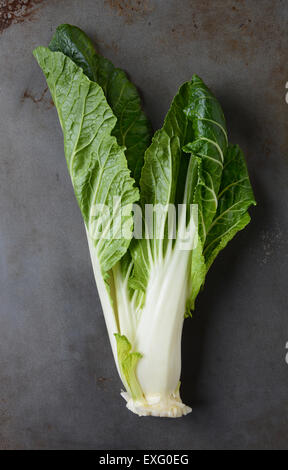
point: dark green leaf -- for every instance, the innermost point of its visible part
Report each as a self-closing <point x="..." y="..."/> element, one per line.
<point x="132" y="128"/>
<point x="234" y="199"/>
<point x="208" y="149"/>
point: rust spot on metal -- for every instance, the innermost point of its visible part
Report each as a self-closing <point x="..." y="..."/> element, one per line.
<point x="28" y="94"/>
<point x="275" y="101"/>
<point x="230" y="28"/>
<point x="113" y="46"/>
<point x="101" y="381"/>
<point x="130" y="10"/>
<point x="17" y="11"/>
<point x="41" y="99"/>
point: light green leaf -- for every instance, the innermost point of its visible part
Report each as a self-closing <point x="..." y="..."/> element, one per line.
<point x="96" y="163"/>
<point x="198" y="274"/>
<point x="160" y="182"/>
<point x="183" y="165"/>
<point x="128" y="362"/>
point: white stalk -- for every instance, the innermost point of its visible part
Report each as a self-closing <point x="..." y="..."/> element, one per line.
<point x="156" y="330"/>
<point x="159" y="329"/>
<point x="108" y="310"/>
<point x="128" y="315"/>
<point x="158" y="338"/>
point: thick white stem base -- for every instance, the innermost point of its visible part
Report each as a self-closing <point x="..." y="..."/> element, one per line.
<point x="169" y="406"/>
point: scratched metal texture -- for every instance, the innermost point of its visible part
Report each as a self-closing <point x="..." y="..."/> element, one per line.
<point x="58" y="384"/>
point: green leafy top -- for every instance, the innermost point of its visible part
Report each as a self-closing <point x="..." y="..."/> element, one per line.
<point x="188" y="161"/>
<point x="234" y="199"/>
<point x="96" y="163"/>
<point x="132" y="128"/>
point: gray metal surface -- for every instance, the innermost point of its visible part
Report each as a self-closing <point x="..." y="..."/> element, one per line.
<point x="58" y="384"/>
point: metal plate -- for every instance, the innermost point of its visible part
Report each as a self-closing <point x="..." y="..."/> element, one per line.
<point x="58" y="384"/>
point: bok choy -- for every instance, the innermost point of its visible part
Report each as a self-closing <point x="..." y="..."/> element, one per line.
<point x="192" y="191"/>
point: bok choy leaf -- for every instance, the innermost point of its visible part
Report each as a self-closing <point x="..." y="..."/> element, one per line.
<point x="150" y="259"/>
<point x="132" y="128"/>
